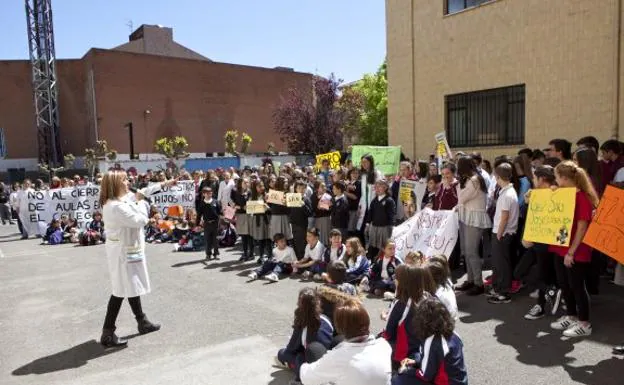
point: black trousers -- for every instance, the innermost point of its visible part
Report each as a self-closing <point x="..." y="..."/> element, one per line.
<point x="114" y="305"/>
<point x="501" y="261"/>
<point x="571" y="281"/>
<point x="211" y="228"/>
<point x="299" y="239"/>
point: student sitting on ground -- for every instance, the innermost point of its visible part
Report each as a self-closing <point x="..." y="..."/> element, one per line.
<point x="335" y="289"/>
<point x="441" y="357"/>
<point x="358" y="265"/>
<point x="71" y="232"/>
<point x="312" y="261"/>
<point x="54" y="233"/>
<point x="311" y="330"/>
<point x="192" y="239"/>
<point x="441" y="273"/>
<point x="281" y="261"/>
<point x="382" y="273"/>
<point x="335" y="251"/>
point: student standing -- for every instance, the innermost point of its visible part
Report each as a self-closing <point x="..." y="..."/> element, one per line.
<point x="380" y="219"/>
<point x="259" y="228"/>
<point x="340" y="209"/>
<point x="298" y="217"/>
<point x="209" y="212"/>
<point x="503" y="230"/>
<point x="240" y="196"/>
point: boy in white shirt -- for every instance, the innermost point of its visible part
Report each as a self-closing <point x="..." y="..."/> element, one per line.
<point x="312" y="261"/>
<point x="504" y="230"/>
<point x="283" y="257"/>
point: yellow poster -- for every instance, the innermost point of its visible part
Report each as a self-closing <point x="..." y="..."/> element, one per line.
<point x="550" y="216"/>
<point x="443" y="150"/>
<point x="332" y="157"/>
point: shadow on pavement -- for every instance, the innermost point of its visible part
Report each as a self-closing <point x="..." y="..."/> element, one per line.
<point x="71" y="358"/>
<point x="181" y="264"/>
<point x="606" y="372"/>
<point x="281" y="377"/>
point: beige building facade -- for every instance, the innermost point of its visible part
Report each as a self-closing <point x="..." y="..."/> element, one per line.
<point x="500" y="75"/>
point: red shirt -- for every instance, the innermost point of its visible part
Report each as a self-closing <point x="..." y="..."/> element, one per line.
<point x="583" y="211"/>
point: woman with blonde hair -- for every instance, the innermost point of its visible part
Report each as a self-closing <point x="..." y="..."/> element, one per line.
<point x="575" y="259"/>
<point x="125" y="218"/>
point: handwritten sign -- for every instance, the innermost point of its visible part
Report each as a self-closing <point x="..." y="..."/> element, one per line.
<point x="229" y="212"/>
<point x="294" y="200"/>
<point x="550" y="216"/>
<point x="324" y="205"/>
<point x="332" y="157"/>
<point x="255" y="207"/>
<point x="443" y="150"/>
<point x="387" y="158"/>
<point x="275" y="197"/>
<point x="606" y="231"/>
<point x="430" y="232"/>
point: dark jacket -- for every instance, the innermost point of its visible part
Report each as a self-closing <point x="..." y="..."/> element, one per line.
<point x="318" y="213"/>
<point x="239" y="200"/>
<point x="375" y="271"/>
<point x="354" y="203"/>
<point x="381" y="212"/>
<point x="209" y="212"/>
<point x="340" y="213"/>
<point x="324" y="335"/>
<point x="400" y="332"/>
<point x="299" y="215"/>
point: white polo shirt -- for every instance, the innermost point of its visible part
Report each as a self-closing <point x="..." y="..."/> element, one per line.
<point x="507" y="201"/>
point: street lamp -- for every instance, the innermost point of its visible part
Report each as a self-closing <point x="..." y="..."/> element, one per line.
<point x="131" y="133"/>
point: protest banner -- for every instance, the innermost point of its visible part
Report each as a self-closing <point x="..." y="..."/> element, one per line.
<point x="430" y="232"/>
<point x="332" y="157"/>
<point x="275" y="197"/>
<point x="182" y="194"/>
<point x="256" y="207"/>
<point x="407" y="187"/>
<point x="294" y="200"/>
<point x="39" y="208"/>
<point x="387" y="158"/>
<point x="550" y="215"/>
<point x="606" y="231"/>
<point x="443" y="150"/>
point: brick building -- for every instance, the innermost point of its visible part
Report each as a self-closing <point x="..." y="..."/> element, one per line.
<point x="498" y="75"/>
<point x="162" y="87"/>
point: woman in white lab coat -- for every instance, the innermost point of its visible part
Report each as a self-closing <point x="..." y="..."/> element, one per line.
<point x="125" y="217"/>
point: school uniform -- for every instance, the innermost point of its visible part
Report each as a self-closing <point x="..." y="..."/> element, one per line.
<point x="383" y="273"/>
<point x="353" y="206"/>
<point x="280" y="262"/>
<point x="278" y="222"/>
<point x="400" y="332"/>
<point x="259" y="231"/>
<point x="242" y="218"/>
<point x="298" y="217"/>
<point x="332" y="294"/>
<point x="209" y="211"/>
<point x="340" y="215"/>
<point x="315" y="254"/>
<point x="322" y="218"/>
<point x="442" y="362"/>
<point x="357" y="269"/>
<point x="331" y="255"/>
<point x="380" y="217"/>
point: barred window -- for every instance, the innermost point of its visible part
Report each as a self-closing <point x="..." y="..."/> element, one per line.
<point x="454" y="6"/>
<point x="486" y="118"/>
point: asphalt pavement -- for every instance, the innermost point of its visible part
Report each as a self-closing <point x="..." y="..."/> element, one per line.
<point x="218" y="328"/>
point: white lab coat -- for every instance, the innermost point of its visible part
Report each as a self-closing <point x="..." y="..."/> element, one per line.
<point x="352" y="363"/>
<point x="125" y="220"/>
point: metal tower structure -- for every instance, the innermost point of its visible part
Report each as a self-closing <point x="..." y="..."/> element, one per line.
<point x="45" y="85"/>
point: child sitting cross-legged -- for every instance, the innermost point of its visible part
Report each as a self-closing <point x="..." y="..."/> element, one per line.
<point x="280" y="262"/>
<point x="383" y="272"/>
<point x="357" y="263"/>
<point x="335" y="252"/>
<point x="335" y="289"/>
<point x="312" y="261"/>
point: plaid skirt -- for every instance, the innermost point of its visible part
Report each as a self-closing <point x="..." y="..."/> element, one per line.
<point x="378" y="236"/>
<point x="258" y="228"/>
<point x="323" y="224"/>
<point x="243" y="222"/>
<point x="280" y="224"/>
<point x="353" y="220"/>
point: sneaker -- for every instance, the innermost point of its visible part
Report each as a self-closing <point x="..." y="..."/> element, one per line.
<point x="578" y="330"/>
<point x="563" y="323"/>
<point x="464" y="286"/>
<point x="516" y="286"/>
<point x="389" y="296"/>
<point x="364" y="286"/>
<point x="536" y="312"/>
<point x="176" y="248"/>
<point x="317" y="277"/>
<point x="490" y="292"/>
<point x="553" y="296"/>
<point x="279" y="363"/>
<point x="306" y="275"/>
<point x="253" y="275"/>
<point x="260" y="260"/>
<point x="534" y="294"/>
<point x="499" y="298"/>
<point x="272" y="277"/>
<point x="475" y="291"/>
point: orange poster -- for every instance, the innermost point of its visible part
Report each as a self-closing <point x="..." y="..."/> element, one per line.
<point x="606" y="231"/>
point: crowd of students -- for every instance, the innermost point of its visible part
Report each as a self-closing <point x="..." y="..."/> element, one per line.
<point x="341" y="235"/>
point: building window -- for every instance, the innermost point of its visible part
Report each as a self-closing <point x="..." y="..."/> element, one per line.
<point x="486" y="118"/>
<point x="454" y="6"/>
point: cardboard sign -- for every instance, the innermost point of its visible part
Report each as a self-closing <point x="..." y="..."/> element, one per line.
<point x="332" y="157"/>
<point x="294" y="200"/>
<point x="550" y="216"/>
<point x="606" y="231"/>
<point x="443" y="150"/>
<point x="387" y="158"/>
<point x="324" y="205"/>
<point x="430" y="232"/>
<point x="275" y="197"/>
<point x="229" y="212"/>
<point x="255" y="207"/>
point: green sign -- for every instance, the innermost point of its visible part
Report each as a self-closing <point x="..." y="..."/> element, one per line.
<point x="387" y="158"/>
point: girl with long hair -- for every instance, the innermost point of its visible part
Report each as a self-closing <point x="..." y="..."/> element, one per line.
<point x="473" y="221"/>
<point x="279" y="223"/>
<point x="310" y="326"/>
<point x="259" y="228"/>
<point x="356" y="261"/>
<point x="240" y="195"/>
<point x="369" y="175"/>
<point x="574" y="260"/>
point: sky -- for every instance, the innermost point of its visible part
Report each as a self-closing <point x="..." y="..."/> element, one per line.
<point x="345" y="37"/>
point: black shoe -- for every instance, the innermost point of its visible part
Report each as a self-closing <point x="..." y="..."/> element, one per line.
<point x="499" y="298"/>
<point x="110" y="340"/>
<point x="465" y="286"/>
<point x="618" y="350"/>
<point x="475" y="290"/>
<point x="261" y="260"/>
<point x="145" y="326"/>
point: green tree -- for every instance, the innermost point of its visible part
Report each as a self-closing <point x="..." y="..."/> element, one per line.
<point x="246" y="141"/>
<point x="172" y="148"/>
<point x="230" y="138"/>
<point x="372" y="128"/>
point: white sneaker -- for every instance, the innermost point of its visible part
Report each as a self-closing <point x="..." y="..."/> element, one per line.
<point x="578" y="330"/>
<point x="364" y="287"/>
<point x="536" y="312"/>
<point x="534" y="294"/>
<point x="306" y="275"/>
<point x="272" y="277"/>
<point x="389" y="296"/>
<point x="176" y="247"/>
<point x="564" y="323"/>
<point x="317" y="277"/>
<point x="253" y="275"/>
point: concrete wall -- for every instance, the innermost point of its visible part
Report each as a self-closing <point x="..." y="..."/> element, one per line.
<point x="565" y="52"/>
